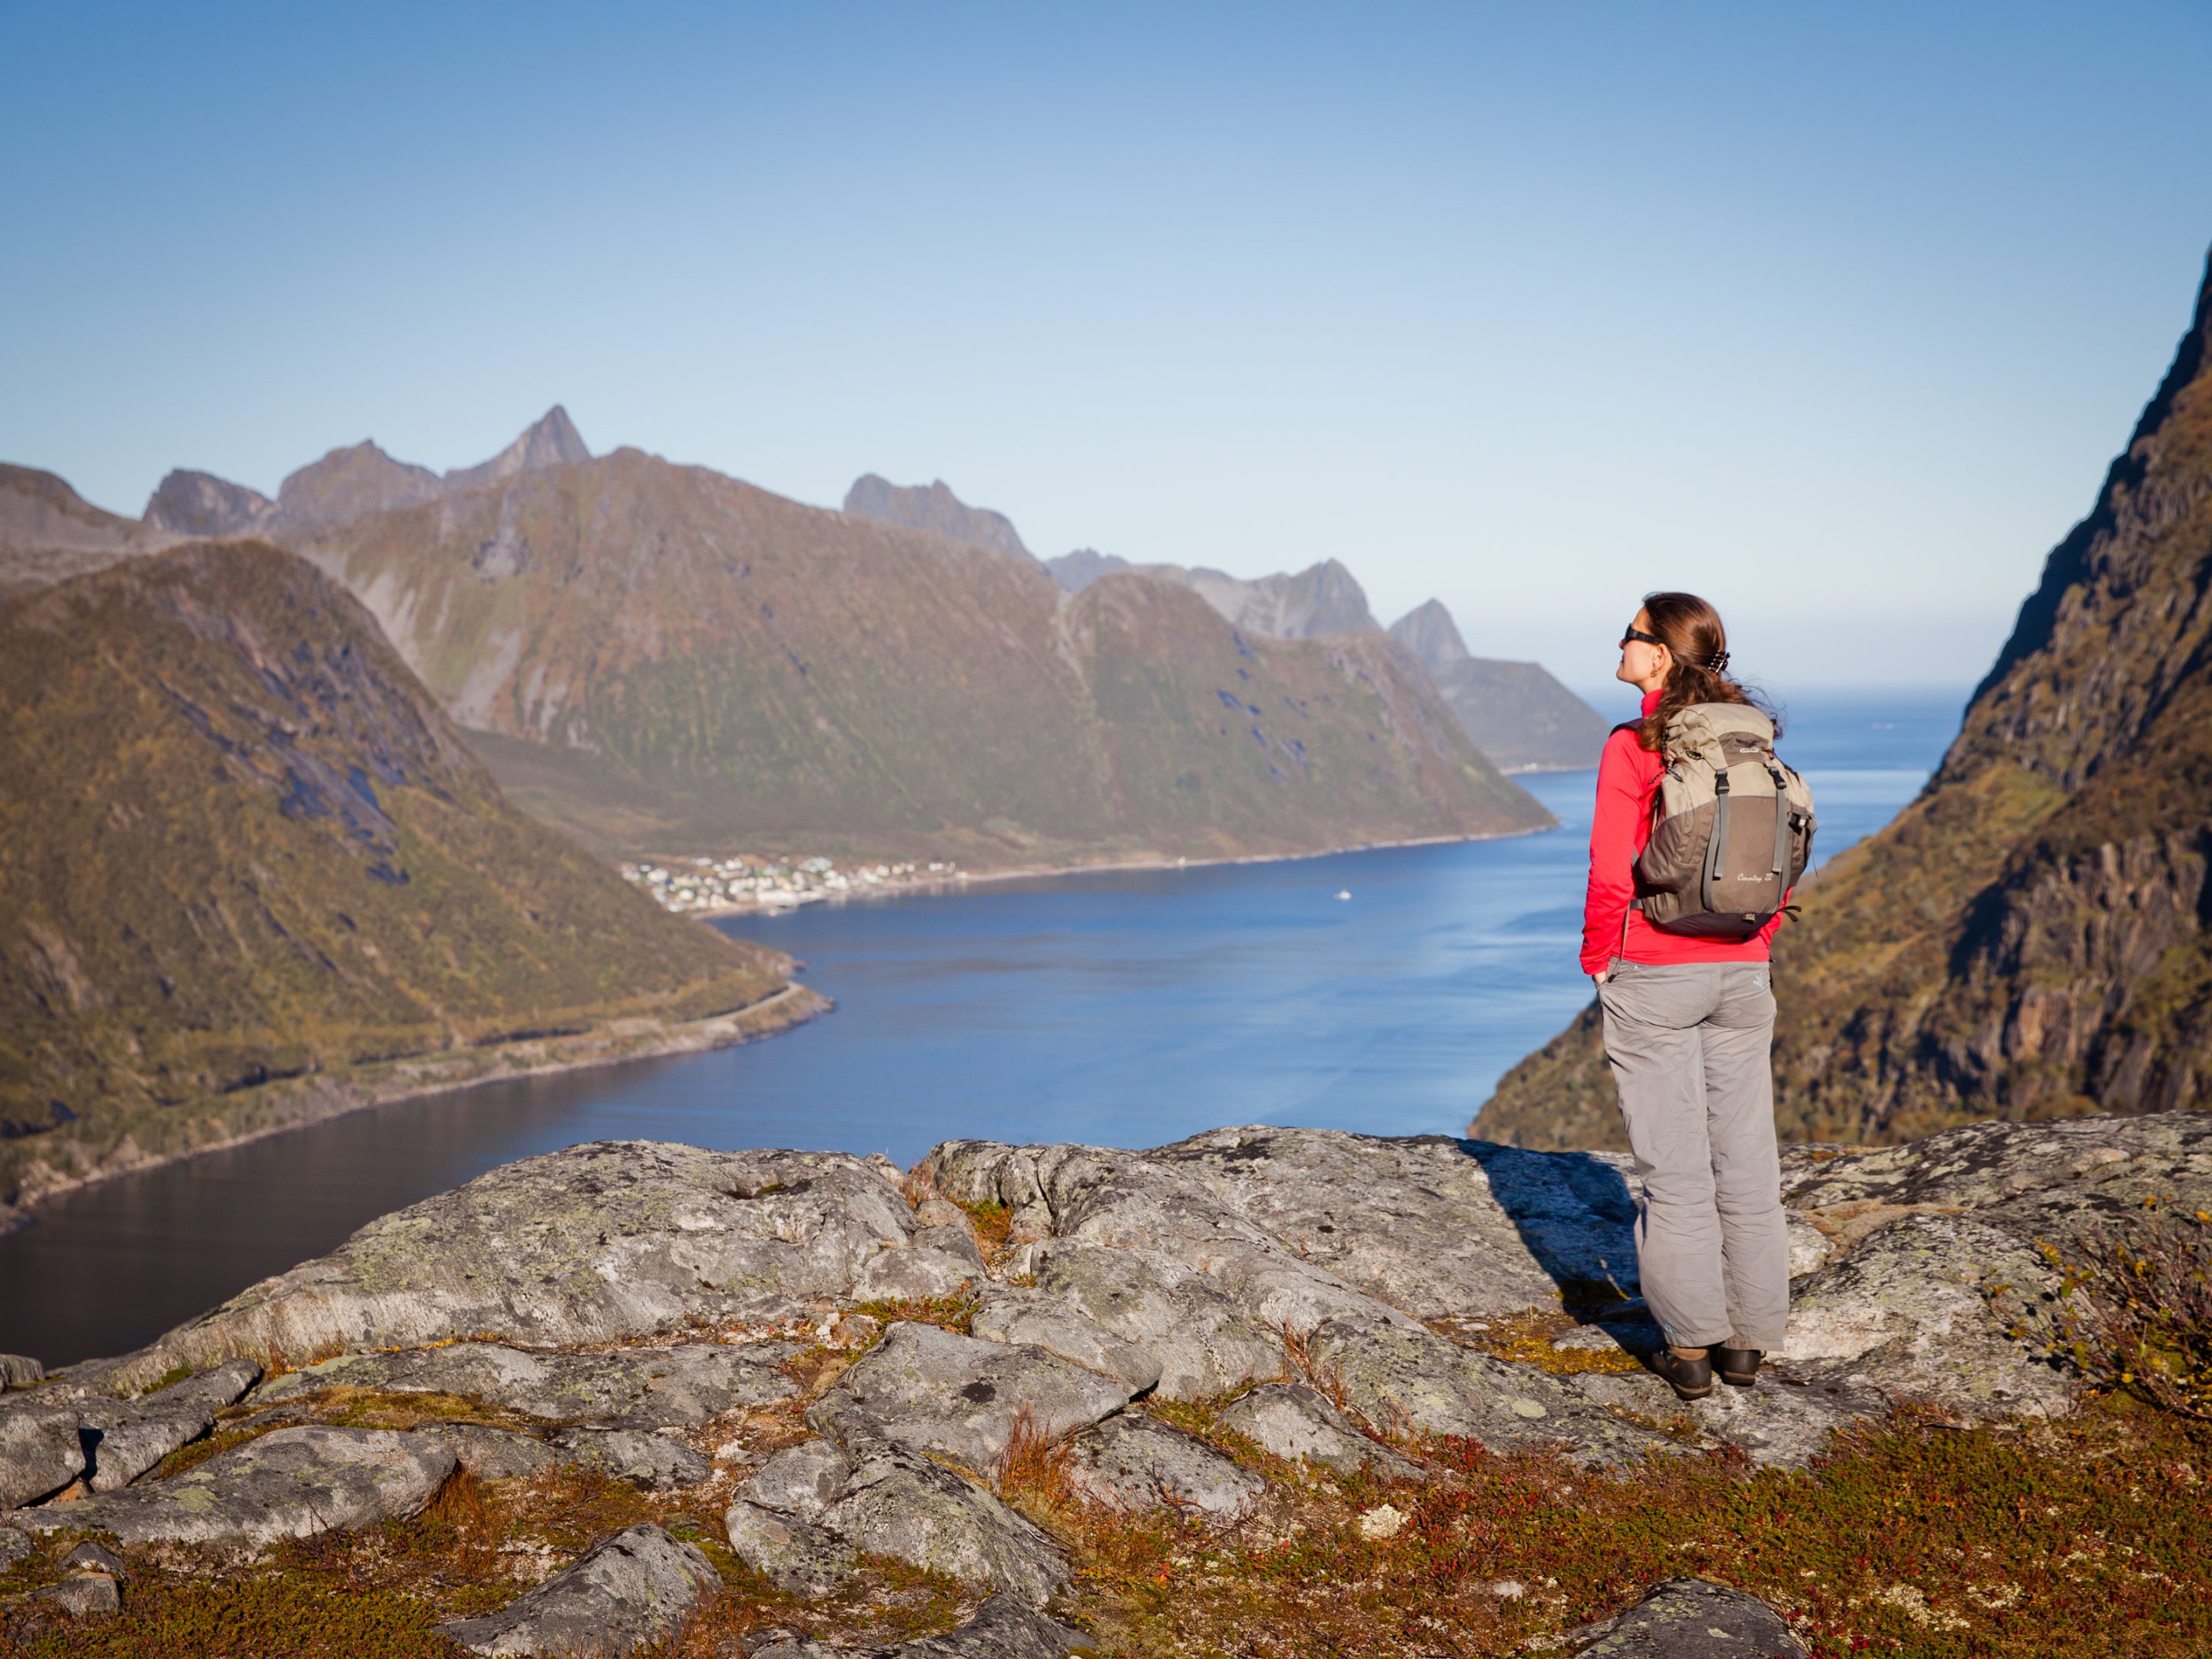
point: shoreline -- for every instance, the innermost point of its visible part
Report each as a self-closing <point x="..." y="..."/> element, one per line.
<point x="297" y="1103"/>
<point x="948" y="885"/>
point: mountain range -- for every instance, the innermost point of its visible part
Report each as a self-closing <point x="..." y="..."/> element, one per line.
<point x="2032" y="938"/>
<point x="1521" y="717"/>
<point x="658" y="658"/>
<point x="249" y="873"/>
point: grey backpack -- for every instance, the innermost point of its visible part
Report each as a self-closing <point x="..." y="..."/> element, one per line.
<point x="1732" y="826"/>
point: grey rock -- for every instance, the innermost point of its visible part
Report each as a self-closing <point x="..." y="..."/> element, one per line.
<point x="940" y="1262"/>
<point x="19" y="1371"/>
<point x="782" y="1645"/>
<point x="1687" y="1619"/>
<point x="935" y="1211"/>
<point x="13" y="1547"/>
<point x="788" y="1552"/>
<point x="937" y="1391"/>
<point x="639" y="1387"/>
<point x="87" y="1596"/>
<point x="1434" y="1226"/>
<point x="93" y="1557"/>
<point x="212" y="1389"/>
<point x="1136" y="1463"/>
<point x="122" y="1443"/>
<point x="1204" y="1345"/>
<point x="598" y="1243"/>
<point x="1137" y="1201"/>
<point x="1785" y="1422"/>
<point x="1420" y="1383"/>
<point x="2031" y="1180"/>
<point x="491" y="1453"/>
<point x="637" y="1588"/>
<point x="802" y="1480"/>
<point x="1004" y="1627"/>
<point x="651" y="1460"/>
<point x="1909" y="1313"/>
<point x="290" y="1483"/>
<point x="1298" y="1423"/>
<point x="41" y="1451"/>
<point x="1058" y="1326"/>
<point x="123" y="1440"/>
<point x="901" y="1504"/>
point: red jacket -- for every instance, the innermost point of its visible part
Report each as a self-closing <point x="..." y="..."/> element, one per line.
<point x="1628" y="778"/>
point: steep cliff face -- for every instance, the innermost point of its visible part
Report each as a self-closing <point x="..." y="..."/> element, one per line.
<point x="2032" y="936"/>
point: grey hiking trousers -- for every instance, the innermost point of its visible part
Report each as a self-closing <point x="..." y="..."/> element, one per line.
<point x="1690" y="1047"/>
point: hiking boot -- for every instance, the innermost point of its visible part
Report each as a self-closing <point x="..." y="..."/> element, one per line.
<point x="1691" y="1379"/>
<point x="1738" y="1367"/>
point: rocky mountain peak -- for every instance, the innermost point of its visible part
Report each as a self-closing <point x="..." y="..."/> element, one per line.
<point x="550" y="441"/>
<point x="933" y="508"/>
<point x="1076" y="571"/>
<point x="1428" y="631"/>
<point x="347" y="482"/>
<point x="192" y="503"/>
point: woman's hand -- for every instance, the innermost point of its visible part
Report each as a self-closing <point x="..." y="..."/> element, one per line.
<point x="1601" y="977"/>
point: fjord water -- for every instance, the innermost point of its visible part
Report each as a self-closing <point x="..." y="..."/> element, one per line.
<point x="1127" y="1008"/>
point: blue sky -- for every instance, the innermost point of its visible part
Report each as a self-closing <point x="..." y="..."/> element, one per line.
<point x="1834" y="313"/>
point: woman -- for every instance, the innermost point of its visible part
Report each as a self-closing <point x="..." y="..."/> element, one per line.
<point x="1689" y="1022"/>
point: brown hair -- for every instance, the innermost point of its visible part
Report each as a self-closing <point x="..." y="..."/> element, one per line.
<point x="1691" y="632"/>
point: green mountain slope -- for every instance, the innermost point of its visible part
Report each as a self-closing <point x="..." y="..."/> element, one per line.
<point x="240" y="844"/>
<point x="656" y="657"/>
<point x="2030" y="937"/>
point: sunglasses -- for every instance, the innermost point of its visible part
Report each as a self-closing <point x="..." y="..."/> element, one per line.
<point x="1639" y="633"/>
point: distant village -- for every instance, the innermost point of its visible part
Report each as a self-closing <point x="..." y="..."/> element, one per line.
<point x="701" y="886"/>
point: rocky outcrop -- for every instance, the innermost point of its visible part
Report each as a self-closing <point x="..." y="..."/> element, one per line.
<point x="291" y="1483"/>
<point x="1318" y="1301"/>
<point x="648" y="1388"/>
<point x="961" y="1398"/>
<point x="1685" y="1619"/>
<point x="2029" y="939"/>
<point x="637" y="1587"/>
<point x="598" y="1243"/>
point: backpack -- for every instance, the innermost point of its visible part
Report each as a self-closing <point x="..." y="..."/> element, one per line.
<point x="1732" y="826"/>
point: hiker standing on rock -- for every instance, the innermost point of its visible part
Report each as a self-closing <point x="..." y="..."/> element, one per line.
<point x="1700" y="834"/>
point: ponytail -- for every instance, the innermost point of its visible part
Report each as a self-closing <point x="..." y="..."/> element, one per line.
<point x="1697" y="644"/>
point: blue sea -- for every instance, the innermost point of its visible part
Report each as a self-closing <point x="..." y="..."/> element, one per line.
<point x="1382" y="991"/>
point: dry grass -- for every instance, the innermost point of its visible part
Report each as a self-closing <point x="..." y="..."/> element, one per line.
<point x="2143" y="1324"/>
<point x="1325" y="1376"/>
<point x="952" y="1313"/>
<point x="1034" y="1468"/>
